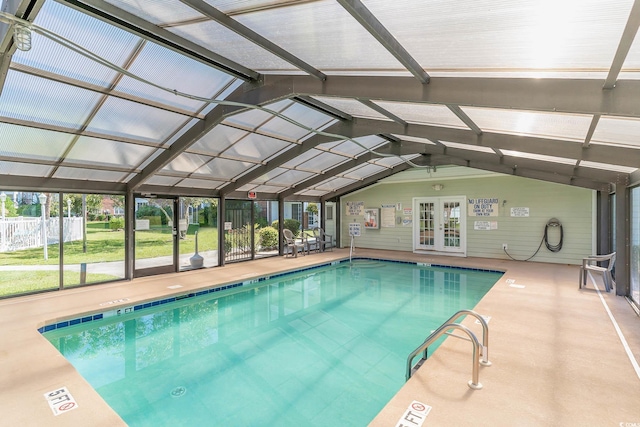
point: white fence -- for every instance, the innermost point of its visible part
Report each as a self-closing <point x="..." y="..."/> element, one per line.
<point x="24" y="233"/>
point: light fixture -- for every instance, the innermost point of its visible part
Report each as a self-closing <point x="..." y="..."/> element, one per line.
<point x="22" y="36"/>
<point x="437" y="187"/>
<point x="43" y="198"/>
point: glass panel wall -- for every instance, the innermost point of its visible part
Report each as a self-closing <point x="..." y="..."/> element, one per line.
<point x="29" y="250"/>
<point x="36" y="228"/>
<point x="198" y="228"/>
<point x="635" y="245"/>
<point x="93" y="243"/>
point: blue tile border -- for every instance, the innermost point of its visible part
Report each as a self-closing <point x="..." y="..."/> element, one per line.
<point x="142" y="306"/>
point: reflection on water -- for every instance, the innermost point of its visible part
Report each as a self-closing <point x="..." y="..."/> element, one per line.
<point x="327" y="347"/>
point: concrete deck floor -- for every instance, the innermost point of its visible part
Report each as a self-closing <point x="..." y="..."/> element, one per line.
<point x="557" y="359"/>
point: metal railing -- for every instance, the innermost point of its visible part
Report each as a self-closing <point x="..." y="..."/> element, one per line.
<point x="478" y="349"/>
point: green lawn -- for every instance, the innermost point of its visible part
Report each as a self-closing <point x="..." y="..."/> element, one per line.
<point x="106" y="245"/>
<point x="103" y="245"/>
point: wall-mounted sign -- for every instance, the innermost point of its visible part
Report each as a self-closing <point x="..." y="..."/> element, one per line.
<point x="228" y="225"/>
<point x="388" y="216"/>
<point x="355" y="208"/>
<point x="483" y="207"/>
<point x="485" y="225"/>
<point x="354" y="229"/>
<point x="252" y="194"/>
<point x="520" y="212"/>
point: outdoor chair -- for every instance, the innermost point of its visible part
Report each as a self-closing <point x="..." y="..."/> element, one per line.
<point x="291" y="244"/>
<point x="592" y="263"/>
<point x="323" y="239"/>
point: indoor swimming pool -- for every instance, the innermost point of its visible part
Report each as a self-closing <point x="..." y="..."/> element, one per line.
<point x="321" y="347"/>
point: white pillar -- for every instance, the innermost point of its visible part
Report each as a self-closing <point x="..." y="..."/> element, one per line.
<point x="43" y="200"/>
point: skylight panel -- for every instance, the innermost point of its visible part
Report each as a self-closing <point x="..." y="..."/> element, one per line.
<point x="257" y="147"/>
<point x="322" y="162"/>
<point x="321" y="33"/>
<point x="43" y="144"/>
<point x="528" y="35"/>
<point x="252" y="119"/>
<point x="619" y="131"/>
<point x="224" y="42"/>
<point x="123" y="118"/>
<point x="352" y="107"/>
<point x="158" y="11"/>
<point x="305" y="116"/>
<point x="89" y="174"/>
<point x="186" y="163"/>
<point x="223" y="169"/>
<point x="290" y="178"/>
<point x="27" y="97"/>
<point x="426" y="114"/>
<point x="364" y="171"/>
<point x="110" y="152"/>
<point x="570" y="127"/>
<point x="200" y="183"/>
<point x="163" y="181"/>
<point x="217" y="140"/>
<point x="26" y="169"/>
<point x="106" y="41"/>
<point x="333" y="184"/>
<point x="361" y="145"/>
<point x="172" y="71"/>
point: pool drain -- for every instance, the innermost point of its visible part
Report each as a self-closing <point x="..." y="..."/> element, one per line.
<point x="178" y="391"/>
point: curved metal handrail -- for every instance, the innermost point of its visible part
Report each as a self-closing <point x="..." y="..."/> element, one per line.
<point x="443" y="329"/>
<point x="473" y="383"/>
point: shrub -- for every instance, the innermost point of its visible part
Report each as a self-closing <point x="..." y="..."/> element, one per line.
<point x="289" y="224"/>
<point x="268" y="238"/>
<point x="116" y="223"/>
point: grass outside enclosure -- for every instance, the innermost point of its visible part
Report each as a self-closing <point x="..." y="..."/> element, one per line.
<point x="103" y="245"/>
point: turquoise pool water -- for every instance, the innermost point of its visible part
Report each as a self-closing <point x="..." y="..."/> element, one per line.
<point x="324" y="347"/>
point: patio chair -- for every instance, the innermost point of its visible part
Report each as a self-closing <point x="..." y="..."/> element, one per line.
<point x="291" y="244"/>
<point x="591" y="263"/>
<point x="323" y="239"/>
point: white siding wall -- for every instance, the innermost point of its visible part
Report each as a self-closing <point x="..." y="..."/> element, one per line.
<point x="571" y="205"/>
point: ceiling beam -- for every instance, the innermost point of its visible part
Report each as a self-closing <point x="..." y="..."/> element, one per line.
<point x="31" y="183"/>
<point x="384" y="112"/>
<point x="361" y="14"/>
<point x="284" y="158"/>
<point x="615" y="155"/>
<point x="330" y="173"/>
<point x="133" y="24"/>
<point x="364" y="183"/>
<point x="322" y="107"/>
<point x="243" y="95"/>
<point x="572" y="96"/>
<point x="628" y="35"/>
<point x="235" y="26"/>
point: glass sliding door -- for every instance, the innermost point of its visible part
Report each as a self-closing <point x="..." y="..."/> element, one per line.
<point x="93" y="238"/>
<point x="198" y="232"/>
<point x="156" y="235"/>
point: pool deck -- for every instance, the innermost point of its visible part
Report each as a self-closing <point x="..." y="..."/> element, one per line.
<point x="556" y="357"/>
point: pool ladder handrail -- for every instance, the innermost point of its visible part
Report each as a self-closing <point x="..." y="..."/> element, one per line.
<point x="478" y="349"/>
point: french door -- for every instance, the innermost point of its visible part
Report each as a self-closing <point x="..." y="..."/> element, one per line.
<point x="439" y="225"/>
